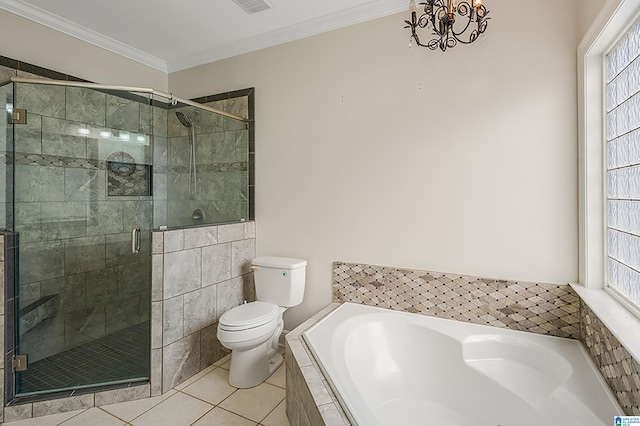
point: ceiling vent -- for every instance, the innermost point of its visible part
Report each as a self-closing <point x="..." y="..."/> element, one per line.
<point x="253" y="6"/>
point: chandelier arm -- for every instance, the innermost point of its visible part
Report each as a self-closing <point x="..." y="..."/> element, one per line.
<point x="442" y="20"/>
<point x="466" y="27"/>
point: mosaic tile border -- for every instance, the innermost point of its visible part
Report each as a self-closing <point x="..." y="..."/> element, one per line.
<point x="549" y="309"/>
<point x="619" y="369"/>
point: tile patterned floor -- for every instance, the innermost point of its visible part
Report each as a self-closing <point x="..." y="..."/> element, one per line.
<point x="116" y="357"/>
<point x="205" y="399"/>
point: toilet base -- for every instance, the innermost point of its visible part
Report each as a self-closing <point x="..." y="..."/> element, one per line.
<point x="251" y="367"/>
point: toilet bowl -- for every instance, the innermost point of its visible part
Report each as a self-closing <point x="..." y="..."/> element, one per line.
<point x="252" y="330"/>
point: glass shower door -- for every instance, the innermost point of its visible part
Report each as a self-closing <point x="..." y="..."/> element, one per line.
<point x="83" y="213"/>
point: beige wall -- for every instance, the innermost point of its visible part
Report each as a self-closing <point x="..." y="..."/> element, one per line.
<point x="369" y="152"/>
<point x="587" y="13"/>
<point x="39" y="45"/>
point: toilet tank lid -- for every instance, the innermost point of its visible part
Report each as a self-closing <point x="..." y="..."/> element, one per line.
<point x="279" y="262"/>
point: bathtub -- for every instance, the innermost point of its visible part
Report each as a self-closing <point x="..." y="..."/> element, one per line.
<point x="395" y="368"/>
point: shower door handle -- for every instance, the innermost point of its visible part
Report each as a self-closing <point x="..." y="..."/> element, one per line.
<point x="135" y="241"/>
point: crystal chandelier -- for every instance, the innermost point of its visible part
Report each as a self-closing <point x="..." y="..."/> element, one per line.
<point x="440" y="17"/>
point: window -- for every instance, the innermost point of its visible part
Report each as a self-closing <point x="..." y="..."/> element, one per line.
<point x="622" y="174"/>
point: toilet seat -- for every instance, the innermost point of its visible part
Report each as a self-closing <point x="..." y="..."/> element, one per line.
<point x="249" y="316"/>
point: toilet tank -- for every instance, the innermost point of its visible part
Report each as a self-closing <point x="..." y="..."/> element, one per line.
<point x="279" y="280"/>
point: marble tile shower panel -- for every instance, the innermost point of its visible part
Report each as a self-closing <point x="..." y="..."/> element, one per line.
<point x="160" y="117"/>
<point x="212" y="123"/>
<point x="211" y="350"/>
<point x="44" y="341"/>
<point x="160" y="151"/>
<point x="179" y="151"/>
<point x="82" y="184"/>
<point x="173" y="320"/>
<point x="160" y="187"/>
<point x="123" y="114"/>
<point x="83" y="326"/>
<point x="41" y="99"/>
<point x="86" y="105"/>
<point x="63" y="138"/>
<point x="118" y="250"/>
<point x="238" y="106"/>
<point x="51" y="261"/>
<point x="189" y="314"/>
<point x="28" y="218"/>
<point x="216" y="263"/>
<point x="125" y="313"/>
<point x="156" y="324"/>
<point x="199" y="309"/>
<point x="39" y="184"/>
<point x="229" y="294"/>
<point x="535" y="307"/>
<point x="240" y="139"/>
<point x="174" y="241"/>
<point x="215" y="148"/>
<point x="133" y="278"/>
<point x="71" y="290"/>
<point x="29" y="135"/>
<point x="619" y="369"/>
<point x="241" y="254"/>
<point x="182" y="272"/>
<point x="200" y="237"/>
<point x="61" y="220"/>
<point x="231" y="232"/>
<point x="181" y="360"/>
<point x="157" y="277"/>
<point x="85" y="254"/>
<point x="137" y="213"/>
<point x="101" y="287"/>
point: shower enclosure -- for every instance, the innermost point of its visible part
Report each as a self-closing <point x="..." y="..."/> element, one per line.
<point x="90" y="170"/>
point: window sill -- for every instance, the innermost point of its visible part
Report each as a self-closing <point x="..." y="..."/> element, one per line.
<point x="621" y="323"/>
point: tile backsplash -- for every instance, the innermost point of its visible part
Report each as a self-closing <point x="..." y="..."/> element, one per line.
<point x="536" y="307"/>
<point x="619" y="369"/>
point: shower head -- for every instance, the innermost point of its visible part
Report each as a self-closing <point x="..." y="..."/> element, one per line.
<point x="186" y="121"/>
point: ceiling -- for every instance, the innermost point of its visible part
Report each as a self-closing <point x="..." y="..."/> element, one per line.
<point x="175" y="35"/>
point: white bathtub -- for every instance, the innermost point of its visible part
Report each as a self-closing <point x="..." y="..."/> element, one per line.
<point x="395" y="368"/>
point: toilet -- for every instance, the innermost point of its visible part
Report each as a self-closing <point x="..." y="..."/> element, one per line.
<point x="252" y="330"/>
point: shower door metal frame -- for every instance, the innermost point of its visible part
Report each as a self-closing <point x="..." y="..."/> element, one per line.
<point x="169" y="96"/>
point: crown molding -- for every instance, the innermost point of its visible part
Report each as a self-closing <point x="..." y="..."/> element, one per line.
<point x="334" y="21"/>
<point x="62" y="25"/>
<point x="344" y="18"/>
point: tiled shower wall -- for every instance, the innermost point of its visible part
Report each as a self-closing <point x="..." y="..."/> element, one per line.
<point x="198" y="274"/>
<point x="222" y="167"/>
<point x="197" y="336"/>
<point x="74" y="233"/>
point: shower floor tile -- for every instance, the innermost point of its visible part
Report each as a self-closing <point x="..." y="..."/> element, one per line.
<point x="113" y="358"/>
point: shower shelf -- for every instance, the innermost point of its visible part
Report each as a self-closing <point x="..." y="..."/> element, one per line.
<point x="37" y="311"/>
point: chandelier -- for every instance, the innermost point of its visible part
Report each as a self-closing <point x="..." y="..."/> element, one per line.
<point x="440" y="16"/>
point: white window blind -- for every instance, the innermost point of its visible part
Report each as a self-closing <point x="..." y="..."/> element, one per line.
<point x="623" y="166"/>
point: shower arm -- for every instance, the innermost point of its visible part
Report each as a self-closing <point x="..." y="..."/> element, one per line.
<point x="168" y="96"/>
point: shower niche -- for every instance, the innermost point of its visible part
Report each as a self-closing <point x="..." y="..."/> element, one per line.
<point x="89" y="174"/>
